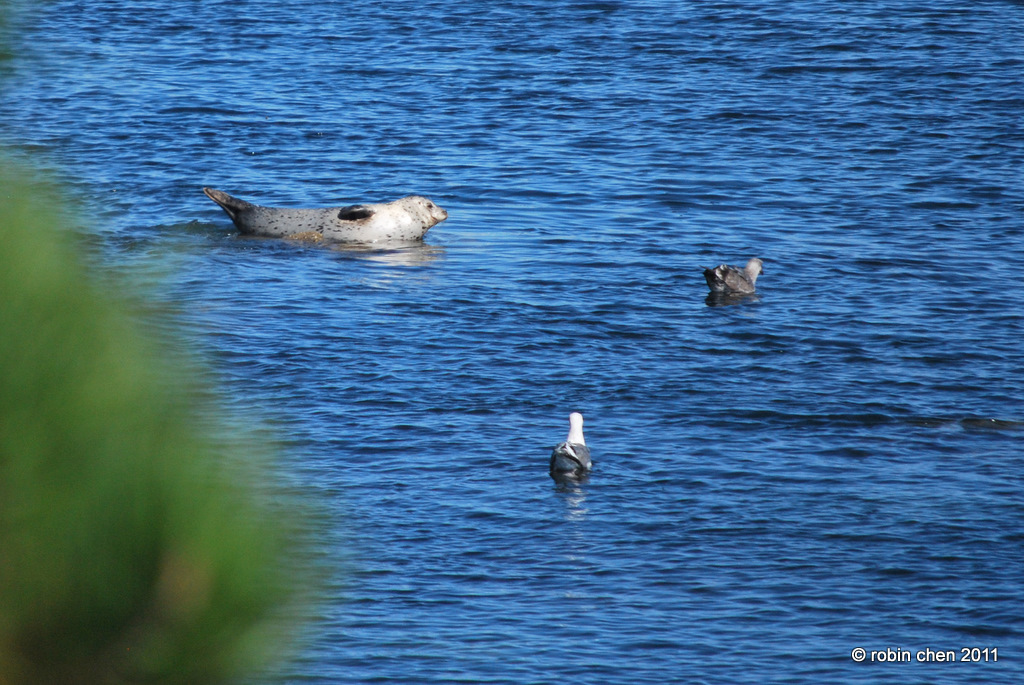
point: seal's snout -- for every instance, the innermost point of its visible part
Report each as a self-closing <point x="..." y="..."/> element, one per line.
<point x="435" y="211"/>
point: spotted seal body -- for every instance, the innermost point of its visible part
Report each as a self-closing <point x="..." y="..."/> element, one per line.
<point x="407" y="219"/>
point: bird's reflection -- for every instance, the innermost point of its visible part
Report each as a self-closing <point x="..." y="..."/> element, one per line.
<point x="574" y="495"/>
<point x="727" y="299"/>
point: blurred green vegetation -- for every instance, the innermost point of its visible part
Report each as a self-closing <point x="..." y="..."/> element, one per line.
<point x="133" y="548"/>
<point x="137" y="543"/>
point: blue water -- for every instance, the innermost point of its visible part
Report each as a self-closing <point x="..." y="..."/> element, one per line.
<point x="834" y="464"/>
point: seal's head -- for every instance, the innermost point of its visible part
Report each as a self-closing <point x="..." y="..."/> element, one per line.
<point x="423" y="209"/>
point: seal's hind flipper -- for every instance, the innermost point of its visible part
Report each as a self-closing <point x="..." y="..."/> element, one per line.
<point x="231" y="205"/>
<point x="354" y="213"/>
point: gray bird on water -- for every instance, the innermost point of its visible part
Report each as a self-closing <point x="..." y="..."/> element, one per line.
<point x="572" y="457"/>
<point x="730" y="280"/>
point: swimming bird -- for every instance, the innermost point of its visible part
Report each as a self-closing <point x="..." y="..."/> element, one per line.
<point x="729" y="279"/>
<point x="572" y="457"/>
<point x="403" y="220"/>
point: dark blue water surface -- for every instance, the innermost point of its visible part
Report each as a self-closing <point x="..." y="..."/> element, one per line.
<point x="836" y="464"/>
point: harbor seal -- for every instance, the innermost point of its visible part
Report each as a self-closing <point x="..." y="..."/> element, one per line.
<point x="730" y="280"/>
<point x="572" y="457"/>
<point x="407" y="219"/>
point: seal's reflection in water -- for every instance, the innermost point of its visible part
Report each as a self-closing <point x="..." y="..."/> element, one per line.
<point x="397" y="254"/>
<point x="727" y="299"/>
